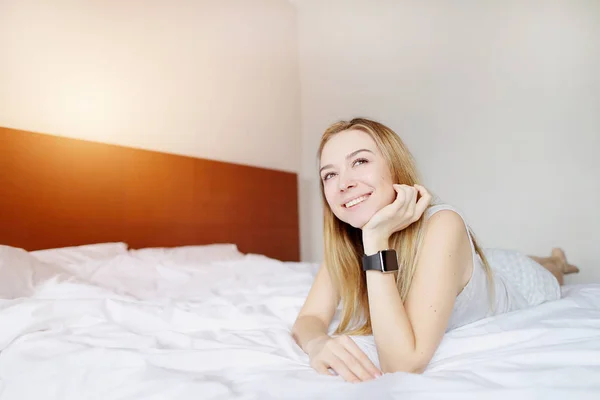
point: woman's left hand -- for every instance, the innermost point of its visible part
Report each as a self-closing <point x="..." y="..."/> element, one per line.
<point x="404" y="211"/>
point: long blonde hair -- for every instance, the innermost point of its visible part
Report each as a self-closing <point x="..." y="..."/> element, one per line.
<point x="343" y="243"/>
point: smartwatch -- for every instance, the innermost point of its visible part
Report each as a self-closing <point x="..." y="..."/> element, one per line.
<point x="382" y="261"/>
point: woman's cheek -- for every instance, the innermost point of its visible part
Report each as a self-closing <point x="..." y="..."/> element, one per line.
<point x="330" y="199"/>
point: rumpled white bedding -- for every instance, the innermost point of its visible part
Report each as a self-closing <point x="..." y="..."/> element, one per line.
<point x="129" y="328"/>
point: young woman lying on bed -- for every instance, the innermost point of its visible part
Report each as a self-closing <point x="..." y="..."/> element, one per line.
<point x="405" y="271"/>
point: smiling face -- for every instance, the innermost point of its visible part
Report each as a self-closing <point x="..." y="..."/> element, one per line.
<point x="356" y="178"/>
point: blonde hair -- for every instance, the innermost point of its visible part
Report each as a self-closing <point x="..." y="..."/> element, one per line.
<point x="343" y="243"/>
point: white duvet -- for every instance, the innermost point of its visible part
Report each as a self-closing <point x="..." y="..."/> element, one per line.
<point x="131" y="328"/>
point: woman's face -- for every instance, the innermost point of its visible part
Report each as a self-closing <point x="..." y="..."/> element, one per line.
<point x="356" y="179"/>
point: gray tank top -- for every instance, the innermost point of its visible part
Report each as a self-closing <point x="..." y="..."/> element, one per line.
<point x="517" y="282"/>
<point x="473" y="302"/>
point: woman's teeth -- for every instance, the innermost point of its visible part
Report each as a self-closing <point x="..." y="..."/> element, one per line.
<point x="356" y="201"/>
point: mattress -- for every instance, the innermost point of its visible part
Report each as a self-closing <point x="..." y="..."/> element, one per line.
<point x="130" y="327"/>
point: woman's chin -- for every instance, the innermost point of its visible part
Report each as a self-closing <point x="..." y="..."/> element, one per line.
<point x="356" y="225"/>
<point x="357" y="221"/>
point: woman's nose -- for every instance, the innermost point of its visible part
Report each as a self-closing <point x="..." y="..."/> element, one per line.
<point x="345" y="183"/>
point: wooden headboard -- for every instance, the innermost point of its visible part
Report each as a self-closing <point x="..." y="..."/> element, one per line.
<point x="57" y="192"/>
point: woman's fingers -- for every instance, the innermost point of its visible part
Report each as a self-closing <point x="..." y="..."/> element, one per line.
<point x="423" y="202"/>
<point x="412" y="203"/>
<point x="362" y="358"/>
<point x="343" y="370"/>
<point x="406" y="207"/>
<point x="322" y="368"/>
<point x="409" y="199"/>
<point x="402" y="198"/>
<point x="354" y="365"/>
<point x="344" y="357"/>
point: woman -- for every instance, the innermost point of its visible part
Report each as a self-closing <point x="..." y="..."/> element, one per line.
<point x="375" y="213"/>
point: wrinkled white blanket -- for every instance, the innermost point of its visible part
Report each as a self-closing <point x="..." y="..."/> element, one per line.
<point x="129" y="328"/>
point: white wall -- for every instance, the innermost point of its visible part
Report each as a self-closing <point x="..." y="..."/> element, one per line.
<point x="499" y="101"/>
<point x="194" y="77"/>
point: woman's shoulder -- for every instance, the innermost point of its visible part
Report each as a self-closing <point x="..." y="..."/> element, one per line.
<point x="444" y="219"/>
<point x="448" y="216"/>
<point x="434" y="208"/>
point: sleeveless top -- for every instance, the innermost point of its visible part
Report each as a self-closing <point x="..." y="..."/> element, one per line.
<point x="517" y="282"/>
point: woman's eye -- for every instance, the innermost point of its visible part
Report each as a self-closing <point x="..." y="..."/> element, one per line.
<point x="360" y="161"/>
<point x="327" y="176"/>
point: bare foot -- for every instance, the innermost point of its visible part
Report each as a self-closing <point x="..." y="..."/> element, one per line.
<point x="555" y="267"/>
<point x="560" y="257"/>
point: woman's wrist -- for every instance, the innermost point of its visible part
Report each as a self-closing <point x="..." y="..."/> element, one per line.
<point x="372" y="242"/>
<point x="310" y="344"/>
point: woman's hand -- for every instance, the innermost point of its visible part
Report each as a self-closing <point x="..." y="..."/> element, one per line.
<point x="343" y="356"/>
<point x="404" y="211"/>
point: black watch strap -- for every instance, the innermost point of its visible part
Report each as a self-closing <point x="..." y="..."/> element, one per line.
<point x="383" y="261"/>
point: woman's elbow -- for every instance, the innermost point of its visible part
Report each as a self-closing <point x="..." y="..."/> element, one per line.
<point x="419" y="369"/>
<point x="295" y="329"/>
<point x="412" y="367"/>
<point x="404" y="368"/>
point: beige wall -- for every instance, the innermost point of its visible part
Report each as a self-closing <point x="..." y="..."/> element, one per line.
<point x="215" y="79"/>
<point x="498" y="100"/>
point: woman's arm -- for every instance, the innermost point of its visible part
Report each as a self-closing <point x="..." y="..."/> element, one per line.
<point x="310" y="330"/>
<point x="407" y="335"/>
<point x="317" y="312"/>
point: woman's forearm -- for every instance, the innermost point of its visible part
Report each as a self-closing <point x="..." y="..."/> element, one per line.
<point x="392" y="330"/>
<point x="306" y="328"/>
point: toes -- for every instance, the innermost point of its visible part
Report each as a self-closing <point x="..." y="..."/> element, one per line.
<point x="559" y="253"/>
<point x="570" y="269"/>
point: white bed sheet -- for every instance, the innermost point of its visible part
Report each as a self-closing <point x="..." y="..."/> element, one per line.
<point x="132" y="329"/>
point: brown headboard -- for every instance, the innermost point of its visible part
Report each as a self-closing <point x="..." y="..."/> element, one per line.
<point x="57" y="192"/>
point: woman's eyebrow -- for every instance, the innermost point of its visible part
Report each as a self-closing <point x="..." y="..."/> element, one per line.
<point x="358" y="151"/>
<point x="347" y="157"/>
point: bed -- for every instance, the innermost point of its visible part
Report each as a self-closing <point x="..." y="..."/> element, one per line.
<point x="130" y="274"/>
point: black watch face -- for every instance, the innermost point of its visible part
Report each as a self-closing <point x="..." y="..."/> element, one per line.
<point x="390" y="263"/>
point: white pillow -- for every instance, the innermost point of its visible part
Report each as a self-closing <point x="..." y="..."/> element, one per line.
<point x="201" y="254"/>
<point x="80" y="254"/>
<point x="20" y="272"/>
